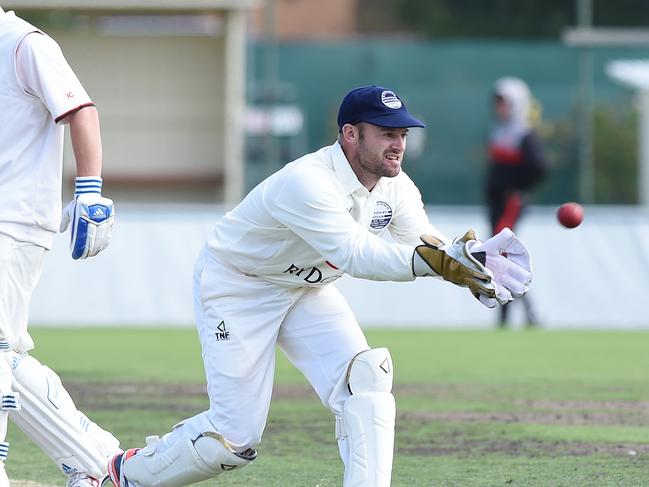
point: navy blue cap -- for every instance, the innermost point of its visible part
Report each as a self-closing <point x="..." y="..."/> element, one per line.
<point x="376" y="105"/>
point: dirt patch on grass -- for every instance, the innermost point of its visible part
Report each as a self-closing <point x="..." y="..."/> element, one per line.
<point x="564" y="417"/>
<point x="158" y="396"/>
<point x="28" y="483"/>
<point x="140" y="396"/>
<point x="465" y="447"/>
<point x="194" y="397"/>
<point x="83" y="391"/>
<point x="640" y="406"/>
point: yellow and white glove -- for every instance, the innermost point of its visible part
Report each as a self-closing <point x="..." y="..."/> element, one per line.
<point x="509" y="262"/>
<point x="92" y="217"/>
<point x="454" y="263"/>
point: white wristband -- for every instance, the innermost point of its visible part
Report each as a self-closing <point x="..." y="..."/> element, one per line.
<point x="87" y="184"/>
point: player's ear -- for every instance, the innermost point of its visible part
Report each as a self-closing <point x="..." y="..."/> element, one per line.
<point x="350" y="133"/>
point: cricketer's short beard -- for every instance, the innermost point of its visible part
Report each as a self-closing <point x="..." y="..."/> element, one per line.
<point x="373" y="166"/>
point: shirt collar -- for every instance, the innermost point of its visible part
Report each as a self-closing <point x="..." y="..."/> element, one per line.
<point x="344" y="170"/>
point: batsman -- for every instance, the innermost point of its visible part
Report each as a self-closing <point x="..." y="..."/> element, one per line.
<point x="39" y="96"/>
<point x="266" y="277"/>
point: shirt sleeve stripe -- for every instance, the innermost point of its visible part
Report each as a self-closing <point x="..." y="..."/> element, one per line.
<point x="74" y="110"/>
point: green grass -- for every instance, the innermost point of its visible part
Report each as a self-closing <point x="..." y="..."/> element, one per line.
<point x="475" y="408"/>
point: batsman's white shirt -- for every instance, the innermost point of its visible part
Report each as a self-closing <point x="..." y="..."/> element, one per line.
<point x="38" y="89"/>
<point x="313" y="220"/>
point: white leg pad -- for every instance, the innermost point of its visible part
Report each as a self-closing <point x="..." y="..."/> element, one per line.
<point x="367" y="422"/>
<point x="4" y="479"/>
<point x="50" y="419"/>
<point x="184" y="462"/>
<point x="10" y="401"/>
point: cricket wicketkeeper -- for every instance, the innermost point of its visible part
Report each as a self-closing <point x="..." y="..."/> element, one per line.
<point x="266" y="277"/>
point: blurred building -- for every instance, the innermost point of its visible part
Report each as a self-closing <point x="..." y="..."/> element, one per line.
<point x="305" y="19"/>
<point x="168" y="78"/>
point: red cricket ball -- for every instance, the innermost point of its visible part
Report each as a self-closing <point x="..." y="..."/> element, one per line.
<point x="570" y="215"/>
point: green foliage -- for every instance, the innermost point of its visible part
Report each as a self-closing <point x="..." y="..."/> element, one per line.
<point x="497" y="18"/>
<point x="52" y="19"/>
<point x="615" y="155"/>
<point x="494" y="18"/>
<point x="560" y="141"/>
<point x="615" y="138"/>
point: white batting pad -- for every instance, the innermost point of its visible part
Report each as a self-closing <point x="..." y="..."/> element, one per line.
<point x="367" y="424"/>
<point x="5" y="391"/>
<point x="50" y="419"/>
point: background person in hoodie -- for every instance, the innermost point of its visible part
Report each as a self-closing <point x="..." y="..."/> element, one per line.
<point x="517" y="163"/>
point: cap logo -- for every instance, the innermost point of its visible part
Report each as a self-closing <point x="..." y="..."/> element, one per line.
<point x="390" y="100"/>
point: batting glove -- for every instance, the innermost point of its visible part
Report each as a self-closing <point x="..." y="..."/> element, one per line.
<point x="508" y="260"/>
<point x="92" y="217"/>
<point x="454" y="263"/>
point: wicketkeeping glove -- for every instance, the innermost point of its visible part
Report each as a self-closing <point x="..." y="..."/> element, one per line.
<point x="92" y="217"/>
<point x="454" y="263"/>
<point x="508" y="260"/>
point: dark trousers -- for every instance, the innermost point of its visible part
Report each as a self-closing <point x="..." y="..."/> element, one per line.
<point x="505" y="210"/>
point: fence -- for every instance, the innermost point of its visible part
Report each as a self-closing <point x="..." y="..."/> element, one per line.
<point x="593" y="276"/>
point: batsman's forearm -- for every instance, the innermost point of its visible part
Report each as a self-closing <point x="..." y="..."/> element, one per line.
<point x="86" y="141"/>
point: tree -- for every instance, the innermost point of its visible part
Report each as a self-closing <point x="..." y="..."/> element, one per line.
<point x="522" y="19"/>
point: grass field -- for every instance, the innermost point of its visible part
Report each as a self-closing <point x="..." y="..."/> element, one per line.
<point x="474" y="408"/>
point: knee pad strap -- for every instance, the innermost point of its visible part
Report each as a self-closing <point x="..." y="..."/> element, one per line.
<point x="4" y="450"/>
<point x="10" y="401"/>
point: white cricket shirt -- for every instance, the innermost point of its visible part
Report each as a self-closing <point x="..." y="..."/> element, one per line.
<point x="313" y="220"/>
<point x="38" y="89"/>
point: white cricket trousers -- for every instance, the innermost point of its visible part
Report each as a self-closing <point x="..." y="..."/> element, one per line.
<point x="240" y="321"/>
<point x="21" y="264"/>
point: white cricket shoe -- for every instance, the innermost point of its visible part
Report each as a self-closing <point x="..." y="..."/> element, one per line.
<point x="79" y="479"/>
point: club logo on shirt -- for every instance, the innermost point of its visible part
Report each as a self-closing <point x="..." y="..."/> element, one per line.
<point x="390" y="100"/>
<point x="382" y="215"/>
<point x="312" y="275"/>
